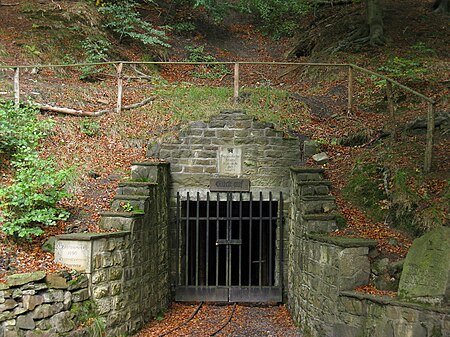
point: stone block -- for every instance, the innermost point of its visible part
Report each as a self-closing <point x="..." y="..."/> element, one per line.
<point x="8" y="305"/>
<point x="53" y="295"/>
<point x="100" y="291"/>
<point x="56" y="281"/>
<point x="31" y="301"/>
<point x="47" y="310"/>
<point x="63" y="321"/>
<point x="80" y="295"/>
<point x="25" y="322"/>
<point x="20" y="279"/>
<point x="426" y="271"/>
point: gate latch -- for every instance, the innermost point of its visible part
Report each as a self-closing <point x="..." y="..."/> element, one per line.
<point x="229" y="242"/>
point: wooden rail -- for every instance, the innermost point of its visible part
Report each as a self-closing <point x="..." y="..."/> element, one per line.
<point x="351" y="68"/>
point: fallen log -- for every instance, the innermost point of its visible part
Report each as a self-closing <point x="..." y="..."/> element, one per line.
<point x="74" y="112"/>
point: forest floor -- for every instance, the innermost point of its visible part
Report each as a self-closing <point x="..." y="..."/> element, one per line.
<point x="318" y="108"/>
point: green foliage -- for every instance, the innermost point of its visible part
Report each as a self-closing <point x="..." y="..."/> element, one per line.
<point x="279" y="17"/>
<point x="30" y="202"/>
<point x="96" y="50"/>
<point x="211" y="71"/>
<point x="125" y="21"/>
<point x="397" y="198"/>
<point x="184" y="28"/>
<point x="20" y="130"/>
<point x="90" y="127"/>
<point x="365" y="189"/>
<point x="400" y="67"/>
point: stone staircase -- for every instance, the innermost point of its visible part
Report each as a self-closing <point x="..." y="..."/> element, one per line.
<point x="134" y="200"/>
<point x="315" y="208"/>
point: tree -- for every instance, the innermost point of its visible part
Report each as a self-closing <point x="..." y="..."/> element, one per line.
<point x="442" y="6"/>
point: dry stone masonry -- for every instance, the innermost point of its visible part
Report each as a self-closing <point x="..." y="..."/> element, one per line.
<point x="40" y="304"/>
<point x="131" y="271"/>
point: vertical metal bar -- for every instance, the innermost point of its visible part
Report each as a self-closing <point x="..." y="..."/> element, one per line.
<point x="217" y="239"/>
<point x="207" y="239"/>
<point x="187" y="239"/>
<point x="270" y="239"/>
<point x="228" y="262"/>
<point x="177" y="234"/>
<point x="197" y="239"/>
<point x="240" y="238"/>
<point x="260" y="238"/>
<point x="280" y="223"/>
<point x="250" y="219"/>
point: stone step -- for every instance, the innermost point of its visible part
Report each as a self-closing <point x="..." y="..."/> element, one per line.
<point x="314" y="187"/>
<point x="302" y="173"/>
<point x="136" y="203"/>
<point x="146" y="171"/>
<point x="136" y="188"/>
<point x="123" y="221"/>
<point x="319" y="223"/>
<point x="317" y="204"/>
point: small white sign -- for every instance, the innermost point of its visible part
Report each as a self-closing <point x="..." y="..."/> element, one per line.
<point x="230" y="161"/>
<point x="74" y="254"/>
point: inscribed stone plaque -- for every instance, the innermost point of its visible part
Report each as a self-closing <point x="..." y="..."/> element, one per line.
<point x="74" y="254"/>
<point x="230" y="161"/>
<point x="229" y="184"/>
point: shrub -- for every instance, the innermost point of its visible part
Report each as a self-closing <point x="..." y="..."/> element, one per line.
<point x="96" y="50"/>
<point x="124" y="20"/>
<point x="30" y="201"/>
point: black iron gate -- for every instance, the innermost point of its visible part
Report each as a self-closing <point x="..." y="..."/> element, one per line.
<point x="230" y="248"/>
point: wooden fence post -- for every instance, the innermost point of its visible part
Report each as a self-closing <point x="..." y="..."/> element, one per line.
<point x="430" y="135"/>
<point x="119" y="87"/>
<point x="350" y="91"/>
<point x="16" y="87"/>
<point x="236" y="83"/>
<point x="390" y="101"/>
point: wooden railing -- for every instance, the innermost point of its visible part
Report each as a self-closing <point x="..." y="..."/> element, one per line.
<point x="390" y="85"/>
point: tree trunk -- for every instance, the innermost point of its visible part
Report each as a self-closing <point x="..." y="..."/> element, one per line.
<point x="375" y="22"/>
<point x="442" y="6"/>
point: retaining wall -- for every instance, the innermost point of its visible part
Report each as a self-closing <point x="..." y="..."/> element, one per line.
<point x="36" y="304"/>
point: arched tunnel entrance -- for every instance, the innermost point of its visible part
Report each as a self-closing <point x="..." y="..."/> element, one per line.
<point x="229" y="247"/>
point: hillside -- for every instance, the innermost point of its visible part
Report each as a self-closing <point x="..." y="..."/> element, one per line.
<point x="370" y="155"/>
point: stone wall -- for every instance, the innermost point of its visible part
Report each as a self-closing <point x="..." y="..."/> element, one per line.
<point x="229" y="145"/>
<point x="127" y="269"/>
<point x="40" y="304"/>
<point x="323" y="271"/>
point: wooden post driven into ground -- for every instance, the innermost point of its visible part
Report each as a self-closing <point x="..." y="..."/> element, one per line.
<point x="119" y="87"/>
<point x="16" y="87"/>
<point x="430" y="135"/>
<point x="350" y="91"/>
<point x="390" y="101"/>
<point x="236" y="83"/>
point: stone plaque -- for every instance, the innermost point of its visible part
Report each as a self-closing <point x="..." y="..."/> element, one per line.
<point x="230" y="161"/>
<point x="74" y="254"/>
<point x="231" y="185"/>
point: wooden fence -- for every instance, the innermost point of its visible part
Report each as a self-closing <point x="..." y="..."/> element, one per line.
<point x="390" y="85"/>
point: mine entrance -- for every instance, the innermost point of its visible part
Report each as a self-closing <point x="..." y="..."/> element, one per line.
<point x="229" y="248"/>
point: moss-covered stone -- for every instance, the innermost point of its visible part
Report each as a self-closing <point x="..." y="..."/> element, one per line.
<point x="426" y="272"/>
<point x="20" y="279"/>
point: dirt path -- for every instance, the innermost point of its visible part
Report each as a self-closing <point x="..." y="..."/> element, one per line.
<point x="246" y="321"/>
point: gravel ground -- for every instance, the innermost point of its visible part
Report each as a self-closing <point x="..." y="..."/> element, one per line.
<point x="247" y="321"/>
